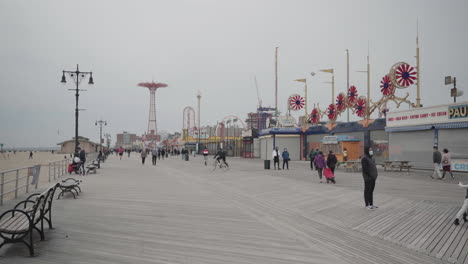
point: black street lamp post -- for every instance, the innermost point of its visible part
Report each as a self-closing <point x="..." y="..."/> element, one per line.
<point x="77" y="76"/>
<point x="100" y="122"/>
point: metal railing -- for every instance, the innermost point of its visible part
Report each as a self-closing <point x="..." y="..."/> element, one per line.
<point x="19" y="181"/>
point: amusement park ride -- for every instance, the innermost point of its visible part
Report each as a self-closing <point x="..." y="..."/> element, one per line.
<point x="401" y="75"/>
<point x="152" y="132"/>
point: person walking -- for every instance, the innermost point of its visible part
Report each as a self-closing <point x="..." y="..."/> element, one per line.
<point x="312" y="155"/>
<point x="345" y="154"/>
<point x="143" y="156"/>
<point x="121" y="151"/>
<point x="154" y="155"/>
<point x="285" y="156"/>
<point x="464" y="210"/>
<point x="331" y="161"/>
<point x="128" y="151"/>
<point x="163" y="153"/>
<point x="159" y="154"/>
<point x="436" y="160"/>
<point x="320" y="164"/>
<point x="30" y="155"/>
<point x="205" y="156"/>
<point x="369" y="173"/>
<point x="275" y="156"/>
<point x="82" y="157"/>
<point x="446" y="164"/>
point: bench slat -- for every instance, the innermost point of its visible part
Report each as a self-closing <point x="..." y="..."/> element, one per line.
<point x="19" y="223"/>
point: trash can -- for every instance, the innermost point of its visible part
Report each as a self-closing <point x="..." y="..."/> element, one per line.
<point x="266" y="164"/>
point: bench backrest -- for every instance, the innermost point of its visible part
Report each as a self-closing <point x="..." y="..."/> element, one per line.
<point x="48" y="197"/>
<point x="36" y="210"/>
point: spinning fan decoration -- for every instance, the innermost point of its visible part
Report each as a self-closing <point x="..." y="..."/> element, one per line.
<point x="352" y="96"/>
<point x="360" y="107"/>
<point x="331" y="112"/>
<point x="386" y="86"/>
<point x="341" y="102"/>
<point x="315" y="116"/>
<point x="402" y="75"/>
<point x="296" y="102"/>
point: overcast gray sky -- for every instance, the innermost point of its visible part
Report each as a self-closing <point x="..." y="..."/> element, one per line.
<point x="216" y="47"/>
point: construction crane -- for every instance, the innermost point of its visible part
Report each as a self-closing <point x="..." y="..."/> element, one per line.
<point x="258" y="93"/>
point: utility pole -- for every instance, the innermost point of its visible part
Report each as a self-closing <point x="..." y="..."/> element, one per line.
<point x="276" y="84"/>
<point x="199" y="128"/>
<point x="347" y="82"/>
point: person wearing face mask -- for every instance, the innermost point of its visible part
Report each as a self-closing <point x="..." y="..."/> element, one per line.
<point x="369" y="173"/>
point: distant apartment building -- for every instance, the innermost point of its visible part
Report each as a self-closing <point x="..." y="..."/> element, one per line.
<point x="125" y="139"/>
<point x="258" y="120"/>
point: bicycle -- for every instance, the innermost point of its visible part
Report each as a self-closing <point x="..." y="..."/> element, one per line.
<point x="221" y="165"/>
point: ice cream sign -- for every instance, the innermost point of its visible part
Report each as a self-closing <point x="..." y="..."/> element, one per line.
<point x="458" y="111"/>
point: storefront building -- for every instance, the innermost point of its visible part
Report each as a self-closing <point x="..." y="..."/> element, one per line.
<point x="413" y="134"/>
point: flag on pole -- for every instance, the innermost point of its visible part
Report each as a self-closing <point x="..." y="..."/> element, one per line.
<point x="300" y="80"/>
<point x="327" y="70"/>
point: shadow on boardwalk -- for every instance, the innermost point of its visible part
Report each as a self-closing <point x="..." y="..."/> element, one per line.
<point x="180" y="212"/>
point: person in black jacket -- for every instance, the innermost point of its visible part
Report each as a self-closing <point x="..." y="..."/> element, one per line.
<point x="331" y="161"/>
<point x="369" y="173"/>
<point x="82" y="156"/>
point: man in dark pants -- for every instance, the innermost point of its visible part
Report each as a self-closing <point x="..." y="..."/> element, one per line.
<point x="83" y="159"/>
<point x="275" y="155"/>
<point x="154" y="155"/>
<point x="312" y="155"/>
<point x="369" y="173"/>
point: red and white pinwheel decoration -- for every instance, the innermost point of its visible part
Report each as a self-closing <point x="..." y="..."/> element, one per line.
<point x="341" y="102"/>
<point x="331" y="112"/>
<point x="386" y="86"/>
<point x="360" y="107"/>
<point x="296" y="102"/>
<point x="352" y="96"/>
<point x="315" y="116"/>
<point x="405" y="75"/>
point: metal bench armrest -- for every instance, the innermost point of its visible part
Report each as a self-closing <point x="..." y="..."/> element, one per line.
<point x="31" y="196"/>
<point x="25" y="202"/>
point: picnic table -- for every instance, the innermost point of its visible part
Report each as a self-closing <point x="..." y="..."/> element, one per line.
<point x="397" y="164"/>
<point x="353" y="165"/>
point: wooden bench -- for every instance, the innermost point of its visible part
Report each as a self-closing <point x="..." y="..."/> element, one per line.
<point x="46" y="210"/>
<point x="70" y="185"/>
<point x="16" y="224"/>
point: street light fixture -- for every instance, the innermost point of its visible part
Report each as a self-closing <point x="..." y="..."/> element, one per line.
<point x="100" y="122"/>
<point x="77" y="77"/>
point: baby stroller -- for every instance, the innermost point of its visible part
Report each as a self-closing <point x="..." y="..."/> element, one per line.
<point x="75" y="166"/>
<point x="328" y="173"/>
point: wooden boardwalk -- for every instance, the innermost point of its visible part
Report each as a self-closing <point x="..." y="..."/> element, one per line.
<point x="180" y="212"/>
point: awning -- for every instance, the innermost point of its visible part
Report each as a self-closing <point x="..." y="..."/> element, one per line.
<point x="452" y="125"/>
<point x="427" y="127"/>
<point x="409" y="128"/>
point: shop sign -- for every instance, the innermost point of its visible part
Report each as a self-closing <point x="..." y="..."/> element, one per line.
<point x="428" y="115"/>
<point x="460" y="164"/>
<point x="330" y="140"/>
<point x="458" y="111"/>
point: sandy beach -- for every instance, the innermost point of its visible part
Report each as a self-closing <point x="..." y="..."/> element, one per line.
<point x="20" y="159"/>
